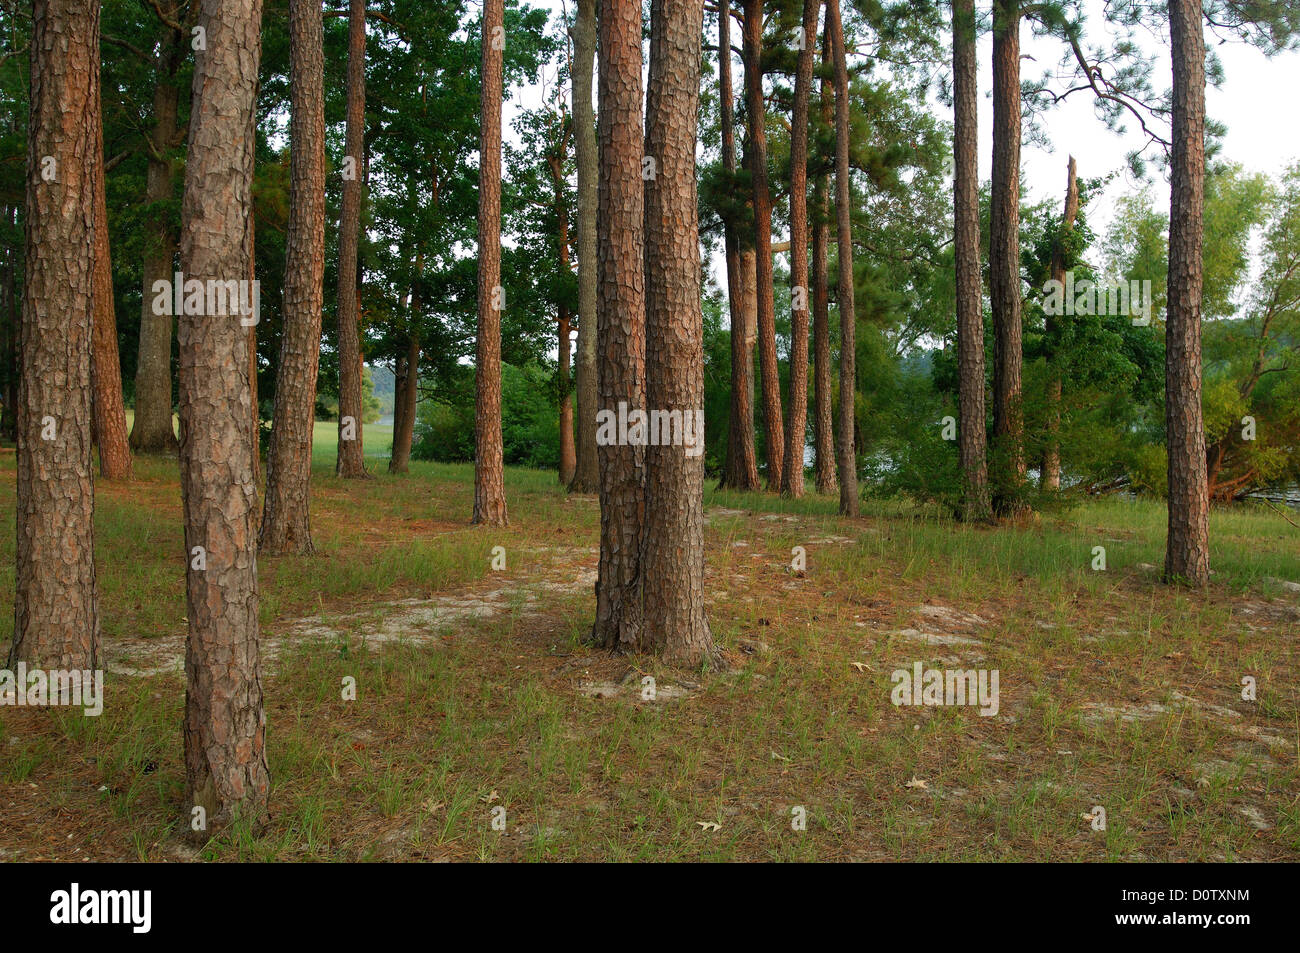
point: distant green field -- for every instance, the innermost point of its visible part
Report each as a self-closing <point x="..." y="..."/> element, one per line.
<point x="378" y="438"/>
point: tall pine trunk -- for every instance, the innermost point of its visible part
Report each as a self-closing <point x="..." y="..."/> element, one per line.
<point x="620" y="228"/>
<point x="823" y="416"/>
<point x="350" y="461"/>
<point x="1004" y="263"/>
<point x="9" y="341"/>
<point x="106" y="366"/>
<point x="226" y="773"/>
<point x="973" y="436"/>
<point x="56" y="617"/>
<point x="848" y="457"/>
<point x="741" y="469"/>
<point x="797" y="426"/>
<point x="286" y="527"/>
<point x="672" y="565"/>
<point x="407" y="397"/>
<point x="153" y="430"/>
<point x="586" y="478"/>
<point x="568" y="452"/>
<point x="769" y="372"/>
<point x="489" y="466"/>
<point x="1187" y="550"/>
<point x="1051" y="471"/>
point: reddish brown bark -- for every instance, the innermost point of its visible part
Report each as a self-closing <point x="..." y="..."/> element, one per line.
<point x="769" y="372"/>
<point x="489" y="465"/>
<point x="976" y="506"/>
<point x="350" y="461"/>
<point x="797" y="427"/>
<point x="106" y="366"/>
<point x="741" y="471"/>
<point x="1187" y="550"/>
<point x="1004" y="263"/>
<point x="56" y="617"/>
<point x="848" y="466"/>
<point x="286" y="524"/>
<point x="226" y="773"/>
<point x="621" y="340"/>
<point x="673" y="553"/>
<point x="825" y="478"/>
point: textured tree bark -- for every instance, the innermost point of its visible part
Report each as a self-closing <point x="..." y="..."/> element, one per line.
<point x="12" y="330"/>
<point x="797" y="426"/>
<point x="226" y="772"/>
<point x="1004" y="262"/>
<point x="848" y="457"/>
<point x="153" y="430"/>
<point x="586" y="478"/>
<point x="105" y="365"/>
<point x="741" y="471"/>
<point x="673" y="552"/>
<point x="1187" y="550"/>
<point x="255" y="412"/>
<point x="350" y="462"/>
<point x="621" y="340"/>
<point x="973" y="436"/>
<point x="489" y="465"/>
<point x="56" y="612"/>
<point x="286" y="524"/>
<point x="407" y="396"/>
<point x="825" y="478"/>
<point x="769" y="372"/>
<point x="568" y="452"/>
<point x="1051" y="472"/>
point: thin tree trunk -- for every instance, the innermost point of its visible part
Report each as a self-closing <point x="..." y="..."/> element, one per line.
<point x="56" y="617"/>
<point x="620" y="226"/>
<point x="973" y="436"/>
<point x="1051" y="473"/>
<point x="350" y="462"/>
<point x="489" y="465"/>
<point x="407" y="399"/>
<point x="153" y="429"/>
<point x="106" y="365"/>
<point x="226" y="773"/>
<point x="1187" y="551"/>
<point x="848" y="315"/>
<point x="773" y="436"/>
<point x="741" y="471"/>
<point x="399" y="388"/>
<point x="255" y="412"/>
<point x="286" y="526"/>
<point x="1004" y="262"/>
<point x="673" y="552"/>
<point x="13" y="324"/>
<point x="797" y="425"/>
<point x="568" y="452"/>
<point x="586" y="478"/>
<point x="823" y="416"/>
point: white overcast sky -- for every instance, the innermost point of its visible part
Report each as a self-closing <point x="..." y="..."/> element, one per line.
<point x="1256" y="101"/>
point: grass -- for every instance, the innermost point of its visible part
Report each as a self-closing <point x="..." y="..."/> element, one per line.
<point x="475" y="690"/>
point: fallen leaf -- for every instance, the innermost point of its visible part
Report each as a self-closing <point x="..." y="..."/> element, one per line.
<point x="917" y="783"/>
<point x="489" y="798"/>
<point x="709" y="826"/>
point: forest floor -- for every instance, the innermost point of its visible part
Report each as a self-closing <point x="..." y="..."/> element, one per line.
<point x="475" y="690"/>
